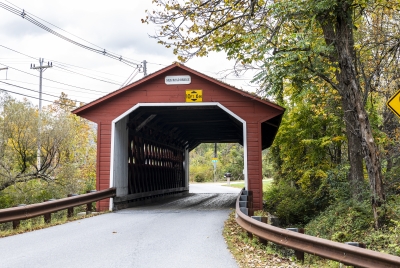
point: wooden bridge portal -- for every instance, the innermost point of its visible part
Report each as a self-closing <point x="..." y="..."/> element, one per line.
<point x="146" y="130"/>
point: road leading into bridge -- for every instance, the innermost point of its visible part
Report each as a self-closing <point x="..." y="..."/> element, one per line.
<point x="185" y="232"/>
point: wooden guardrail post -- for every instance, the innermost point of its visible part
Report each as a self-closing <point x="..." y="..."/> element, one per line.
<point x="47" y="216"/>
<point x="89" y="207"/>
<point x="299" y="254"/>
<point x="17" y="223"/>
<point x="70" y="211"/>
<point x="264" y="220"/>
<point x="246" y="206"/>
<point x="355" y="244"/>
<point x="246" y="203"/>
<point x="273" y="220"/>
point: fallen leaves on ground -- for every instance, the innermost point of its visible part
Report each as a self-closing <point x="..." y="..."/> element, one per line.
<point x="250" y="253"/>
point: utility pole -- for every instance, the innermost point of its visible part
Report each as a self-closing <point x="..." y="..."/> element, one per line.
<point x="41" y="68"/>
<point x="144" y="68"/>
<point x="6" y="69"/>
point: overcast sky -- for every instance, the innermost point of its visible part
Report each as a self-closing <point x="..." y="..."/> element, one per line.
<point x="112" y="25"/>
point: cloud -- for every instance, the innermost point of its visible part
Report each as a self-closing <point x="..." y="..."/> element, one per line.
<point x="19" y="28"/>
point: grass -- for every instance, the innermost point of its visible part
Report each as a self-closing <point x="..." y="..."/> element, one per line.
<point x="250" y="252"/>
<point x="240" y="184"/>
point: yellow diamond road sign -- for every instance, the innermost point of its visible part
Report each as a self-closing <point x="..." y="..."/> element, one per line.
<point x="194" y="95"/>
<point x="394" y="103"/>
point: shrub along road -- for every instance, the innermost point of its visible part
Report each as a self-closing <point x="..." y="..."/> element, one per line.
<point x="185" y="232"/>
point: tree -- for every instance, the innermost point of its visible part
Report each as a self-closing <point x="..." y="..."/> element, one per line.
<point x="301" y="42"/>
<point x="67" y="146"/>
<point x="230" y="159"/>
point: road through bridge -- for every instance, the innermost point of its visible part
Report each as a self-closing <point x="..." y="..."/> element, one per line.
<point x="179" y="232"/>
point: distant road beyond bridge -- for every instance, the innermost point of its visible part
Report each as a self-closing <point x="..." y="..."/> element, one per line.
<point x="185" y="232"/>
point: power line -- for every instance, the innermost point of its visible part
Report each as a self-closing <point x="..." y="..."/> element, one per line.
<point x="130" y="78"/>
<point x="29" y="89"/>
<point x="64" y="30"/>
<point x="59" y="62"/>
<point x="17" y="51"/>
<point x="64" y="89"/>
<point x="55" y="25"/>
<point x="85" y="75"/>
<point x="91" y="77"/>
<point x="25" y="15"/>
<point x="21" y="94"/>
<point x="75" y="66"/>
<point x="92" y="90"/>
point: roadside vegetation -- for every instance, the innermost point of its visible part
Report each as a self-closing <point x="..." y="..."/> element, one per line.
<point x="249" y="252"/>
<point x="65" y="163"/>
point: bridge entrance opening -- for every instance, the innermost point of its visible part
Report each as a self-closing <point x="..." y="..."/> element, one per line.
<point x="152" y="142"/>
<point x="218" y="164"/>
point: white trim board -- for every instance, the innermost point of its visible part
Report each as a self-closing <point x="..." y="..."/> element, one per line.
<point x="176" y="104"/>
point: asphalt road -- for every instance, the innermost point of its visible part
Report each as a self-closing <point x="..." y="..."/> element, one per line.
<point x="212" y="188"/>
<point x="184" y="232"/>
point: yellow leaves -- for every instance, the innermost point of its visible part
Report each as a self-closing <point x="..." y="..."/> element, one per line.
<point x="325" y="141"/>
<point x="309" y="175"/>
<point x="338" y="138"/>
<point x="361" y="3"/>
<point x="248" y="252"/>
<point x="333" y="69"/>
<point x="195" y="28"/>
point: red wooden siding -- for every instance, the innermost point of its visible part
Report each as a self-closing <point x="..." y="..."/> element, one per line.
<point x="103" y="158"/>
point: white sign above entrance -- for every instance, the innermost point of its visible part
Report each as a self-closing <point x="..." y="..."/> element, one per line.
<point x="178" y="80"/>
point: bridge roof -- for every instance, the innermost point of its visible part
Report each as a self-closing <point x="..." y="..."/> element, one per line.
<point x="203" y="124"/>
<point x="166" y="69"/>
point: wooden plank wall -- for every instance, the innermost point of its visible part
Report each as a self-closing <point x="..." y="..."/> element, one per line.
<point x="103" y="164"/>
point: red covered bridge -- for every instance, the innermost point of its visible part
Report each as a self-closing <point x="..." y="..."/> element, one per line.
<point x="146" y="130"/>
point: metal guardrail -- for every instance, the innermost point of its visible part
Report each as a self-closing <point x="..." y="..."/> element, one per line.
<point x="45" y="208"/>
<point x="343" y="253"/>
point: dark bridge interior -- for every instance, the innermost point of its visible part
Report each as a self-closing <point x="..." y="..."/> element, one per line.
<point x="184" y="126"/>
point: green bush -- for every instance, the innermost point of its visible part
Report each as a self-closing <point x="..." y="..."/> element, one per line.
<point x="299" y="202"/>
<point x="342" y="221"/>
<point x="201" y="173"/>
<point x="199" y="178"/>
<point x="350" y="220"/>
<point x="288" y="203"/>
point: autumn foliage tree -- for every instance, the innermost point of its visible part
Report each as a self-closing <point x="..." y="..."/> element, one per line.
<point x="347" y="45"/>
<point x="53" y="149"/>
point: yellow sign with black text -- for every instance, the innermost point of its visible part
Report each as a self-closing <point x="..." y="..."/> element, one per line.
<point x="194" y="95"/>
<point x="394" y="103"/>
